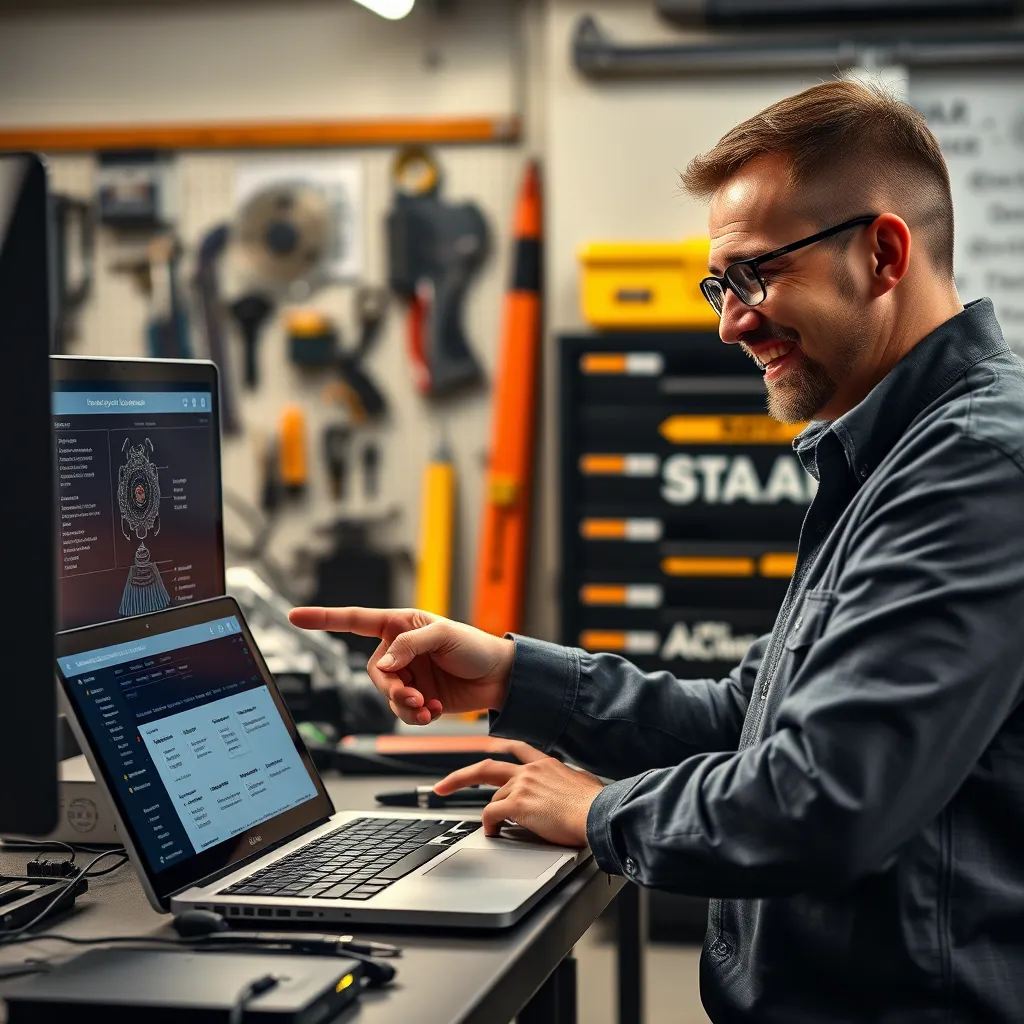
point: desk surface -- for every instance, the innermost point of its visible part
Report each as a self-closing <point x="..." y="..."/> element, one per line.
<point x="444" y="978"/>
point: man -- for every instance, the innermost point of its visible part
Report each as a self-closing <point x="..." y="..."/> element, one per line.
<point x="852" y="796"/>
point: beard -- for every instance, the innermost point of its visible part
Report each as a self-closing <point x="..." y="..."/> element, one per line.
<point x="806" y="388"/>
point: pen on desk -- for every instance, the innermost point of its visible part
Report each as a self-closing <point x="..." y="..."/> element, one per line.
<point x="424" y="797"/>
<point x="305" y="942"/>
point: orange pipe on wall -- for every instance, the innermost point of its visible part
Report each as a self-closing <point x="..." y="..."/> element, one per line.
<point x="258" y="134"/>
<point x="504" y="535"/>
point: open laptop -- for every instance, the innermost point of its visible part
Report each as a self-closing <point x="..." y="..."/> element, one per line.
<point x="221" y="808"/>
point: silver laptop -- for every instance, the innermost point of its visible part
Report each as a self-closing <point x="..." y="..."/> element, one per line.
<point x="221" y="808"/>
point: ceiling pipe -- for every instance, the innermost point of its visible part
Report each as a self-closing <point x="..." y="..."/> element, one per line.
<point x="597" y="55"/>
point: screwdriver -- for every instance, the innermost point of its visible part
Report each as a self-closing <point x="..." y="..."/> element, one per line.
<point x="251" y="311"/>
<point x="336" y="443"/>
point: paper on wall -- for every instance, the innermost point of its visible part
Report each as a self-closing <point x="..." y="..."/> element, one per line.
<point x="979" y="122"/>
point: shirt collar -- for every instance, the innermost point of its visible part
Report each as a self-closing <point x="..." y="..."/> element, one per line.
<point x="869" y="430"/>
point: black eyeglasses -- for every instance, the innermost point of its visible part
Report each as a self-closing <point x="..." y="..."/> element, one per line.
<point x="744" y="279"/>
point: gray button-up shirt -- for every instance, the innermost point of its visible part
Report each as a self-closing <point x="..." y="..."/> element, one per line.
<point x="851" y="797"/>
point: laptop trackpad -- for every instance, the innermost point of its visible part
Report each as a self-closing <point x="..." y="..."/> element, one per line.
<point x="495" y="864"/>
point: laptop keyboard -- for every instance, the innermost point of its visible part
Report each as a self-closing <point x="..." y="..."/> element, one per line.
<point x="356" y="861"/>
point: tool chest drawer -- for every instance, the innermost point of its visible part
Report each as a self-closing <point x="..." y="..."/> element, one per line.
<point x="681" y="500"/>
<point x="692" y="642"/>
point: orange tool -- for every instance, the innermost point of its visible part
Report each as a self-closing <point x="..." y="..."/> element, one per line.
<point x="504" y="535"/>
<point x="292" y="461"/>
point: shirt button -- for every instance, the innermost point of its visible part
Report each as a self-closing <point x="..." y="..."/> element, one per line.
<point x="630" y="866"/>
<point x="863" y="472"/>
<point x="799" y="622"/>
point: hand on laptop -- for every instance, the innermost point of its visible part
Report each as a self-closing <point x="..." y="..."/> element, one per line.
<point x="436" y="664"/>
<point x="543" y="795"/>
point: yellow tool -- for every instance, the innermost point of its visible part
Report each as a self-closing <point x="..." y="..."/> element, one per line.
<point x="434" y="571"/>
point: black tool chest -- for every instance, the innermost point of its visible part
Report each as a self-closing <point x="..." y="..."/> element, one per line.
<point x="681" y="500"/>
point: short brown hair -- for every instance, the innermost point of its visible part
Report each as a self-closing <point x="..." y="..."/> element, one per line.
<point x="846" y="143"/>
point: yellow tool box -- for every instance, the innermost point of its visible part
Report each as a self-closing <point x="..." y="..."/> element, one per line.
<point x="645" y="284"/>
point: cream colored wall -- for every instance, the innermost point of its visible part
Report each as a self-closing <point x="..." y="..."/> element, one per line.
<point x="614" y="152"/>
<point x="302" y="60"/>
<point x="611" y="153"/>
<point x="89" y="61"/>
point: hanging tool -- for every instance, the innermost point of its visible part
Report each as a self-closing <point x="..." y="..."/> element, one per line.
<point x="270" y="485"/>
<point x="167" y="331"/>
<point x="251" y="311"/>
<point x="370" y="304"/>
<point x="133" y="189"/>
<point x="285" y="235"/>
<point x="435" y="248"/>
<point x="336" y="454"/>
<point x="312" y="338"/>
<point x="371" y="470"/>
<point x="293" y="467"/>
<point x="437" y="521"/>
<point x="283" y="238"/>
<point x="356" y="569"/>
<point x="357" y="390"/>
<point x="206" y="284"/>
<point x="502" y="557"/>
<point x="72" y="232"/>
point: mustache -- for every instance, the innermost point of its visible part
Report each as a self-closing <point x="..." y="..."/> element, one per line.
<point x="767" y="332"/>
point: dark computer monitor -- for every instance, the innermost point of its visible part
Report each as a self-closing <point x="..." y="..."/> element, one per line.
<point x="28" y="724"/>
<point x="139" y="524"/>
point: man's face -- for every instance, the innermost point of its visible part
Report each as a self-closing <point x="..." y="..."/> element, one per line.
<point x="812" y="331"/>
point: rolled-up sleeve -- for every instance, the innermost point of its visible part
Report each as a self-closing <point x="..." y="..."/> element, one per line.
<point x="918" y="666"/>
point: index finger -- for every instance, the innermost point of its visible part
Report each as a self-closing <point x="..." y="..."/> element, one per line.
<point x="361" y="621"/>
<point x="488" y="773"/>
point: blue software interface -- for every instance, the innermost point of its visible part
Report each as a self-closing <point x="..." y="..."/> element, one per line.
<point x="192" y="739"/>
<point x="138" y="499"/>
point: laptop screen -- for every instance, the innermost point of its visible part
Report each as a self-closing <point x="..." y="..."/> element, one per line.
<point x="138" y="500"/>
<point x="189" y="733"/>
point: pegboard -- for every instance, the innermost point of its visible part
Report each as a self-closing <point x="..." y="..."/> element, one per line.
<point x="113" y="323"/>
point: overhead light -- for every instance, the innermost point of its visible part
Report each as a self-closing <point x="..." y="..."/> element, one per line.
<point x="390" y="9"/>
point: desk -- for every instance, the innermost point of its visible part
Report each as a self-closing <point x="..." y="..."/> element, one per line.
<point x="466" y="978"/>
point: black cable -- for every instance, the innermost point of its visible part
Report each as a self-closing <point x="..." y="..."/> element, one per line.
<point x="109" y="871"/>
<point x="255" y="988"/>
<point x="13" y="936"/>
<point x="378" y="972"/>
<point x="117" y="852"/>
<point x="112" y="940"/>
<point x="145" y="941"/>
<point x="16" y="845"/>
<point x="73" y="849"/>
<point x="43" y="845"/>
<point x="25" y="967"/>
